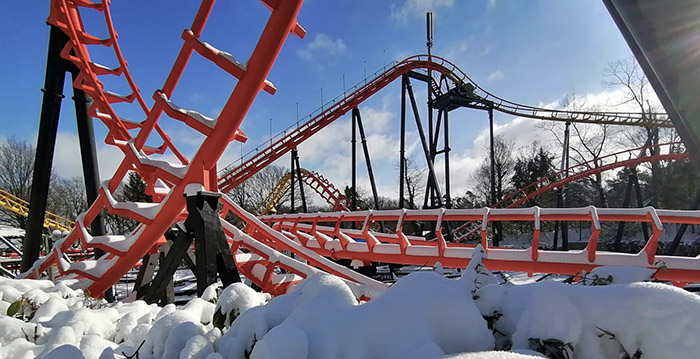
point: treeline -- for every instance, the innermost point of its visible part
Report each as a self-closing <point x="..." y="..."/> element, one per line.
<point x="66" y="197"/>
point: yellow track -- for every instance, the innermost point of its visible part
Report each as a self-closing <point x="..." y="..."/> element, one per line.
<point x="21" y="207"/>
<point x="273" y="198"/>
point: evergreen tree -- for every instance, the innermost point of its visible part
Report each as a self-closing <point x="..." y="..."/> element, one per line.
<point x="530" y="167"/>
<point x="135" y="189"/>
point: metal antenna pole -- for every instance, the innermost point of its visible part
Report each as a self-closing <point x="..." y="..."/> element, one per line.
<point x="429" y="32"/>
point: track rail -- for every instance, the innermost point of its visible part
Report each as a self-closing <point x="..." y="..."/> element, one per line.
<point x="18" y="205"/>
<point x="322" y="186"/>
<point x="363" y="244"/>
<point x="166" y="181"/>
<point x="578" y="171"/>
<point x="234" y="174"/>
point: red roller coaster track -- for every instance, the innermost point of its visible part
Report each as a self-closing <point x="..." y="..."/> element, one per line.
<point x="302" y="234"/>
<point x="233" y="175"/>
<point x="200" y="171"/>
<point x="581" y="170"/>
<point x="322" y="186"/>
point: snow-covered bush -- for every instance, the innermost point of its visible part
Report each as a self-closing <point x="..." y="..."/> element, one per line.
<point x="616" y="275"/>
<point x="234" y="300"/>
<point x="649" y="320"/>
<point x="423" y="315"/>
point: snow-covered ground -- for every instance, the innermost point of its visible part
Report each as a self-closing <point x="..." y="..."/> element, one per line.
<point x="422" y="315"/>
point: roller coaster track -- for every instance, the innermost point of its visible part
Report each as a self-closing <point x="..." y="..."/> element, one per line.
<point x="18" y="205"/>
<point x="258" y="249"/>
<point x="315" y="181"/>
<point x="166" y="181"/>
<point x="626" y="158"/>
<point x="234" y="174"/>
<point x="365" y="245"/>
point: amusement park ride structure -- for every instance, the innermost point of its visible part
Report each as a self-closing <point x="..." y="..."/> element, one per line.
<point x="320" y="238"/>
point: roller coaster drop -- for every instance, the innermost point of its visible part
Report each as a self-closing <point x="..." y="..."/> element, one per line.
<point x="312" y="237"/>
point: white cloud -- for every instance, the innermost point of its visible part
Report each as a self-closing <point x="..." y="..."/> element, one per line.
<point x="496" y="75"/>
<point x="417" y="8"/>
<point x="492" y="4"/>
<point x="458" y="48"/>
<point x="322" y="46"/>
<point x="67" y="162"/>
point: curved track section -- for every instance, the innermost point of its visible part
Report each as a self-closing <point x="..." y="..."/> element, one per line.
<point x="322" y="186"/>
<point x="451" y="77"/>
<point x="582" y="170"/>
<point x="19" y="206"/>
<point x="365" y="245"/>
<point x="166" y="181"/>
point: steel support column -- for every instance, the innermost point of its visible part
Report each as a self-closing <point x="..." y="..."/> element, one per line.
<point x="424" y="143"/>
<point x="295" y="155"/>
<point x="353" y="142"/>
<point x="88" y="157"/>
<point x="368" y="162"/>
<point x="291" y="183"/>
<point x="561" y="194"/>
<point x="448" y="198"/>
<point x="402" y="150"/>
<point x="640" y="203"/>
<point x="496" y="225"/>
<point x="46" y="143"/>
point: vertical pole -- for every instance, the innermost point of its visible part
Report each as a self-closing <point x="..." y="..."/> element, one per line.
<point x="496" y="227"/>
<point x="565" y="224"/>
<point x="88" y="157"/>
<point x="291" y="179"/>
<point x="432" y="187"/>
<point x="625" y="204"/>
<point x="368" y="162"/>
<point x="424" y="143"/>
<point x="46" y="143"/>
<point x="353" y="142"/>
<point x="640" y="203"/>
<point x="448" y="198"/>
<point x="402" y="151"/>
<point x="301" y="184"/>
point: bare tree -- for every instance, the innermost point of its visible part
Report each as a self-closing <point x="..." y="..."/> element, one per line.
<point x="414" y="181"/>
<point x="638" y="92"/>
<point x="67" y="197"/>
<point x="504" y="164"/>
<point x="254" y="193"/>
<point x="588" y="142"/>
<point x="16" y="169"/>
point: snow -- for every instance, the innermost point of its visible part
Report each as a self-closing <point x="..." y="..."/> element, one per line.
<point x="11" y="232"/>
<point x="653" y="318"/>
<point x="518" y="354"/>
<point x="322" y="313"/>
<point x="620" y="275"/>
<point x="422" y="315"/>
<point x="236" y="299"/>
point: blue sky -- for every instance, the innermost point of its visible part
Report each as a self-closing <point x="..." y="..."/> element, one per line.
<point x="527" y="51"/>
